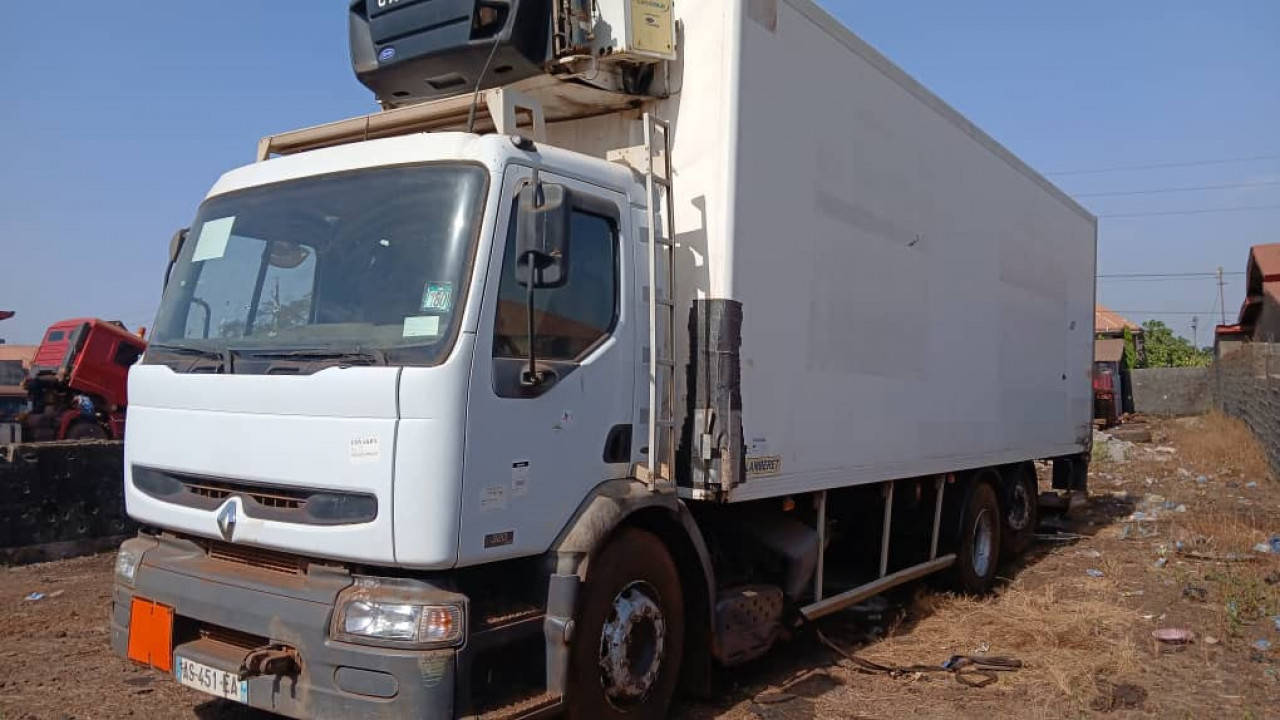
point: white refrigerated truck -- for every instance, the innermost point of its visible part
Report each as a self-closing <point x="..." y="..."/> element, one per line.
<point x="625" y="340"/>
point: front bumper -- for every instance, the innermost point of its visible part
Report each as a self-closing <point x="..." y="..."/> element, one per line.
<point x="221" y="611"/>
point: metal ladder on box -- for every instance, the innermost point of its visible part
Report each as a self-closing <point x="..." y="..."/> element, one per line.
<point x="662" y="307"/>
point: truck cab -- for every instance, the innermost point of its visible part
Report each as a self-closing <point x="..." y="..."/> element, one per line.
<point x="78" y="381"/>
<point x="354" y="325"/>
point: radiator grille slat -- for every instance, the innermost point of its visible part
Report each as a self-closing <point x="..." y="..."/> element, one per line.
<point x="269" y="560"/>
<point x="278" y="498"/>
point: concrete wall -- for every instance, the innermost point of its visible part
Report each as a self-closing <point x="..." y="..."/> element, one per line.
<point x="1248" y="387"/>
<point x="60" y="499"/>
<point x="1172" y="391"/>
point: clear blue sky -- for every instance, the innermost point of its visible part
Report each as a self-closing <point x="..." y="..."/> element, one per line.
<point x="117" y="117"/>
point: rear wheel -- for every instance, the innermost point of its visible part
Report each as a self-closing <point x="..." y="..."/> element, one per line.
<point x="629" y="639"/>
<point x="978" y="546"/>
<point x="1021" y="509"/>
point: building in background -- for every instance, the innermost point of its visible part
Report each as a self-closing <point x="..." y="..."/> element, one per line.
<point x="15" y="363"/>
<point x="1259" y="319"/>
<point x="1111" y="370"/>
<point x="5" y="315"/>
<point x="1109" y="375"/>
<point x="1108" y="324"/>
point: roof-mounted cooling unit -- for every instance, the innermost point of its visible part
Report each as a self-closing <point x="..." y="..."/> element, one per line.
<point x="408" y="51"/>
<point x="411" y="51"/>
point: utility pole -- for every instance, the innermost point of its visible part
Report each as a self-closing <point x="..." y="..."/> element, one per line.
<point x="1222" y="295"/>
<point x="1195" y="331"/>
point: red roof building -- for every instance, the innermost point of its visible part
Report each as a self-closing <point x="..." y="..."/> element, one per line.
<point x="1259" y="318"/>
<point x="1109" y="323"/>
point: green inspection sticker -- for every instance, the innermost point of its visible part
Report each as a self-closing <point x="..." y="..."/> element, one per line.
<point x="438" y="297"/>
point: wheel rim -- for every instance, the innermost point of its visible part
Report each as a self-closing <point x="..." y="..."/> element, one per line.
<point x="632" y="644"/>
<point x="1020" y="508"/>
<point x="983" y="539"/>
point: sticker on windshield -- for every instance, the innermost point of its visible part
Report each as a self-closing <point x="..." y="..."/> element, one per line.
<point x="212" y="243"/>
<point x="418" y="327"/>
<point x="438" y="297"/>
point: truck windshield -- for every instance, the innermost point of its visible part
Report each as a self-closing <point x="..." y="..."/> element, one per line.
<point x="366" y="266"/>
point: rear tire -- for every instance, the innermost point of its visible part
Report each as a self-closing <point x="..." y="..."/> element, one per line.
<point x="978" y="545"/>
<point x="1021" y="510"/>
<point x="629" y="639"/>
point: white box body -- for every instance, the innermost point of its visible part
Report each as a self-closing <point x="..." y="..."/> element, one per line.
<point x="916" y="299"/>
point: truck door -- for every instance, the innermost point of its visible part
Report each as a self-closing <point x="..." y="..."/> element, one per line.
<point x="534" y="452"/>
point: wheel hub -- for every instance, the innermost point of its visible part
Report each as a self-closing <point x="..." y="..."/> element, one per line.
<point x="632" y="644"/>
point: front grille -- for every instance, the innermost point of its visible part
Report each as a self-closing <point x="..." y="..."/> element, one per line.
<point x="269" y="560"/>
<point x="280" y="503"/>
<point x="280" y="498"/>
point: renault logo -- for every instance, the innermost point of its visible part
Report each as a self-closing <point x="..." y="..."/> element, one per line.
<point x="227" y="520"/>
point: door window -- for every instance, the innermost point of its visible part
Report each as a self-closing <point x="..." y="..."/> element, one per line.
<point x="568" y="321"/>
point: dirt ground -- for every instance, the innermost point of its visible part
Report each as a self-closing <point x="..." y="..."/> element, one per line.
<point x="1166" y="542"/>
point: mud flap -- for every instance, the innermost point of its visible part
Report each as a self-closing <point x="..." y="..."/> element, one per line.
<point x="1071" y="473"/>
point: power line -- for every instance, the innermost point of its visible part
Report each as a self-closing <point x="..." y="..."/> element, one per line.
<point x="1158" y="279"/>
<point x="1158" y="166"/>
<point x="1162" y="276"/>
<point x="1198" y="211"/>
<point x="1225" y="186"/>
<point x="1159" y="312"/>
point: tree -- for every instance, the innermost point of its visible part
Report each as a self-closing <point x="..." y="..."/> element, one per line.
<point x="1166" y="349"/>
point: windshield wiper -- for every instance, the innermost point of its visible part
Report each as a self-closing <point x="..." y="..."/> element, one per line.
<point x="225" y="356"/>
<point x="372" y="356"/>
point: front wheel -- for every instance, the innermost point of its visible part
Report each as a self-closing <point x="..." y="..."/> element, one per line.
<point x="629" y="639"/>
<point x="978" y="547"/>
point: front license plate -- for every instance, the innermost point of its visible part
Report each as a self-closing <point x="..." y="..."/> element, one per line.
<point x="213" y="681"/>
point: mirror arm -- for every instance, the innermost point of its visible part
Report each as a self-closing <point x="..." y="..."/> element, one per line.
<point x="531" y="377"/>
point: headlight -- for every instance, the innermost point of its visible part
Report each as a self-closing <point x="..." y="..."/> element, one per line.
<point x="127" y="566"/>
<point x="390" y="616"/>
<point x="129" y="557"/>
<point x="375" y="620"/>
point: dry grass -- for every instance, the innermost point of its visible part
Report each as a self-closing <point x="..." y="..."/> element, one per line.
<point x="1071" y="637"/>
<point x="1215" y="441"/>
<point x="1223" y="530"/>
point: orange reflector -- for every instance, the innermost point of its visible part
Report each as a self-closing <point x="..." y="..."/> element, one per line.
<point x="151" y="634"/>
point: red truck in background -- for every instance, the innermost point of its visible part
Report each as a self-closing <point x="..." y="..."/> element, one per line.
<point x="78" y="384"/>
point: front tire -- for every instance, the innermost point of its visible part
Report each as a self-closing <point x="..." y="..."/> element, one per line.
<point x="978" y="546"/>
<point x="629" y="639"/>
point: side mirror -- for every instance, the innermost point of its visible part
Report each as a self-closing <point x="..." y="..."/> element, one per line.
<point x="175" y="249"/>
<point x="542" y="235"/>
